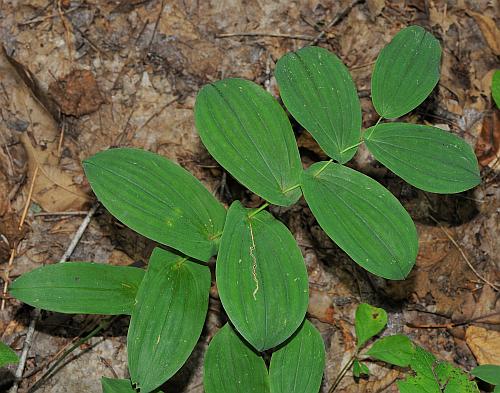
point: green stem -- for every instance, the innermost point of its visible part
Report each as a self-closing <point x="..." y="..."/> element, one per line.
<point x="374" y="127"/>
<point x="323" y="167"/>
<point x="351" y="147"/>
<point x="250" y="215"/>
<point x="291" y="188"/>
<point x="343" y="372"/>
<point x="102" y="325"/>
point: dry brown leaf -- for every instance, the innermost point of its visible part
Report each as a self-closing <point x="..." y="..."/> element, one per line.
<point x="484" y="344"/>
<point x="54" y="189"/>
<point x="77" y="93"/>
<point x="375" y="7"/>
<point x="490" y="31"/>
<point x="487" y="146"/>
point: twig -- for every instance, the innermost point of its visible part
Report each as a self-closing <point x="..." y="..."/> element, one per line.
<point x="36" y="312"/>
<point x="263" y="34"/>
<point x="451" y="325"/>
<point x="28" y="201"/>
<point x="13" y="251"/>
<point x="7" y="272"/>
<point x="68" y="213"/>
<point x="482" y="278"/>
<point x="342" y="373"/>
<point x="341" y="15"/>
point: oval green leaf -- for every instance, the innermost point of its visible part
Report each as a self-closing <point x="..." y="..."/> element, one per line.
<point x="363" y="218"/>
<point x="7" y="355"/>
<point x="168" y="318"/>
<point x="231" y="365"/>
<point x="158" y="199"/>
<point x="261" y="277"/>
<point x="249" y="134"/>
<point x="397" y="350"/>
<point x="405" y="72"/>
<point x="110" y="385"/>
<point x="426" y="157"/>
<point x="318" y="90"/>
<point x="297" y="366"/>
<point x="80" y="288"/>
<point x="368" y="322"/>
<point x="488" y="372"/>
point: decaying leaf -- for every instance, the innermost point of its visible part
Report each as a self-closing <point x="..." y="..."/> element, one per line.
<point x="484" y="344"/>
<point x="77" y="93"/>
<point x="55" y="188"/>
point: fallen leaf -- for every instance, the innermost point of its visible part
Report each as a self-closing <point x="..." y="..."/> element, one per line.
<point x="77" y="93"/>
<point x="488" y="142"/>
<point x="490" y="31"/>
<point x="484" y="344"/>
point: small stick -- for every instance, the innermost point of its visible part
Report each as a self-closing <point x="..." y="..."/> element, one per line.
<point x="36" y="312"/>
<point x="263" y="34"/>
<point x="68" y="213"/>
<point x="341" y="15"/>
<point x="28" y="201"/>
<point x="484" y="279"/>
<point x="6" y="283"/>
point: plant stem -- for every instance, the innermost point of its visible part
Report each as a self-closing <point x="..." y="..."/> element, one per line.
<point x="291" y="188"/>
<point x="323" y="167"/>
<point x="250" y="215"/>
<point x="343" y="372"/>
<point x="351" y="147"/>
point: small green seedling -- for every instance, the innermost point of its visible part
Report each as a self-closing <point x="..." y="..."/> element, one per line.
<point x="260" y="272"/>
<point x="427" y="374"/>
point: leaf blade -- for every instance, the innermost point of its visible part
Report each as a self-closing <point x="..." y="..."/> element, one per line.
<point x="313" y="78"/>
<point x="139" y="188"/>
<point x="230" y="362"/>
<point x="303" y="357"/>
<point x="162" y="334"/>
<point x="7" y="355"/>
<point x="397" y="349"/>
<point x="245" y="129"/>
<point x="406" y="71"/>
<point x="112" y="385"/>
<point x="255" y="252"/>
<point x="487" y="372"/>
<point x="80" y="288"/>
<point x="426" y="157"/>
<point x="363" y="218"/>
<point x="369" y="321"/>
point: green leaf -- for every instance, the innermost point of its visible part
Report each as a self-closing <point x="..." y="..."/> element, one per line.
<point x="487" y="372"/>
<point x="157" y="199"/>
<point x="261" y="277"/>
<point x="7" y="355"/>
<point x="168" y="318"/>
<point x="497" y="389"/>
<point x="231" y="365"/>
<point x="426" y="157"/>
<point x="318" y="90"/>
<point x="359" y="368"/>
<point x="434" y="376"/>
<point x="363" y="218"/>
<point x="297" y="366"/>
<point x="454" y="380"/>
<point x="368" y="322"/>
<point x="248" y="133"/>
<point x="405" y="72"/>
<point x="397" y="350"/>
<point x="80" y="288"/>
<point x="495" y="87"/>
<point x="110" y="385"/>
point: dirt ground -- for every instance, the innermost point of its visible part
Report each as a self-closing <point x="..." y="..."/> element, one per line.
<point x="80" y="76"/>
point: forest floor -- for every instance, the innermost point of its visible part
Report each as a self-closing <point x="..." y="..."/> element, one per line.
<point x="81" y="76"/>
